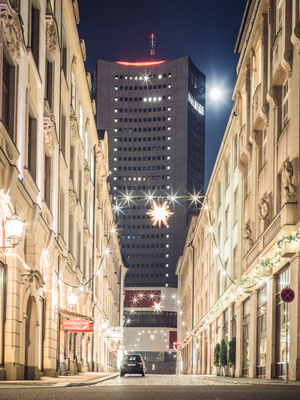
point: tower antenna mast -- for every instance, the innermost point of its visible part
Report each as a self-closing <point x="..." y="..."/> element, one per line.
<point x="152" y="45"/>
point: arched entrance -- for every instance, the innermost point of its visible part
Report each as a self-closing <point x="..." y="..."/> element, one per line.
<point x="31" y="341"/>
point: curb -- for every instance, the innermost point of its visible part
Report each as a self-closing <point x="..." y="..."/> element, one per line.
<point x="57" y="384"/>
<point x="77" y="384"/>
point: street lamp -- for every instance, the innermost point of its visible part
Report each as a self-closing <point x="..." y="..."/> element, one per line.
<point x="13" y="230"/>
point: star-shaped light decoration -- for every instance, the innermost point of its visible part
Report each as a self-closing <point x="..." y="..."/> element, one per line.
<point x="157" y="307"/>
<point x="159" y="213"/>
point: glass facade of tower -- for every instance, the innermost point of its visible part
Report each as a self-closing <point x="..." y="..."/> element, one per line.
<point x="154" y="114"/>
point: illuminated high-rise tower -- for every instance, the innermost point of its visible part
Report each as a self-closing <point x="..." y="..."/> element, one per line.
<point x="154" y="113"/>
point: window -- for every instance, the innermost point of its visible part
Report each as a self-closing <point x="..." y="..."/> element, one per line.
<point x="261" y="331"/>
<point x="235" y="207"/>
<point x="35" y="34"/>
<point x="63" y="133"/>
<point x="31" y="146"/>
<point x="282" y="317"/>
<point x="62" y="224"/>
<point x="1" y="311"/>
<point x="246" y="337"/>
<point x="81" y="122"/>
<point x="8" y="97"/>
<point x="73" y="92"/>
<point x="285" y="104"/>
<point x="234" y="262"/>
<point x="278" y="15"/>
<point x="49" y="83"/>
<point x="47" y="182"/>
<point x="264" y="147"/>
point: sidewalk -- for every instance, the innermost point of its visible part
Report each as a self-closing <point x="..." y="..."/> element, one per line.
<point x="247" y="381"/>
<point x="81" y="379"/>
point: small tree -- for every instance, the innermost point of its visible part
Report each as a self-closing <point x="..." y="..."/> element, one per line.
<point x="217" y="355"/>
<point x="223" y="353"/>
<point x="231" y="352"/>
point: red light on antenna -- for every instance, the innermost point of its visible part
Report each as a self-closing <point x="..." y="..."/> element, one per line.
<point x="152" y="35"/>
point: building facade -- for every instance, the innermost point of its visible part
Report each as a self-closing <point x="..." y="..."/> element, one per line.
<point x="152" y="332"/>
<point x="243" y="247"/>
<point x="154" y="115"/>
<point x="61" y="287"/>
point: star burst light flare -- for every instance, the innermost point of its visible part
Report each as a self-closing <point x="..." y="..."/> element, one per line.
<point x="160" y="213"/>
<point x="157" y="307"/>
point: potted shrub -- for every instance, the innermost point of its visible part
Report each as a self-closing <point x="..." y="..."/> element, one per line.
<point x="231" y="356"/>
<point x="217" y="358"/>
<point x="223" y="357"/>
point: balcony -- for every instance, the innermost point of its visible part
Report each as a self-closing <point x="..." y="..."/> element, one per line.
<point x="282" y="222"/>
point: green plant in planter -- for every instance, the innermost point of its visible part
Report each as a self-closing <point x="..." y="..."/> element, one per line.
<point x="231" y="352"/>
<point x="217" y="355"/>
<point x="223" y="353"/>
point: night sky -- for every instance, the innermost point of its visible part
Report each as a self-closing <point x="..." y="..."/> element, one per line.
<point x="206" y="30"/>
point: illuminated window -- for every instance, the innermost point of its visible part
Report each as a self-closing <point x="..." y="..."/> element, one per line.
<point x="169" y="75"/>
<point x="116" y="99"/>
<point x="169" y="118"/>
<point x="125" y="77"/>
<point x="197" y="106"/>
<point x="115" y="139"/>
<point x="159" y="76"/>
<point x="149" y="98"/>
<point x="168" y="187"/>
<point x="116" y="119"/>
<point x="159" y="98"/>
<point x="168" y="147"/>
<point x="116" y="88"/>
<point x="116" y="129"/>
<point x="169" y="97"/>
<point x="115" y="159"/>
<point x="169" y="86"/>
<point x="116" y="77"/>
<point x="145" y="99"/>
<point x="169" y="108"/>
<point x="169" y="128"/>
<point x="168" y="157"/>
<point x="116" y="110"/>
<point x="169" y="138"/>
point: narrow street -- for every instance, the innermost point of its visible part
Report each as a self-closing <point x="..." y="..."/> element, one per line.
<point x="159" y="387"/>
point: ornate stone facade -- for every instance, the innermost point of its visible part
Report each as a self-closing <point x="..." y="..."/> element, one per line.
<point x="63" y="251"/>
<point x="240" y="296"/>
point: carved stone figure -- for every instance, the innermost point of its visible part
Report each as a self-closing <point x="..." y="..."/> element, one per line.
<point x="86" y="173"/>
<point x="73" y="126"/>
<point x="49" y="139"/>
<point x="72" y="197"/>
<point x="12" y="32"/>
<point x="264" y="207"/>
<point x="288" y="189"/>
<point x="86" y="233"/>
<point x="52" y="38"/>
<point x="247" y="235"/>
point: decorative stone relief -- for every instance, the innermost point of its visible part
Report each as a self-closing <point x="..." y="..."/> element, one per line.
<point x="247" y="236"/>
<point x="288" y="189"/>
<point x="12" y="31"/>
<point x="49" y="139"/>
<point x="73" y="126"/>
<point x="48" y="112"/>
<point x="295" y="39"/>
<point x="72" y="197"/>
<point x="264" y="211"/>
<point x="9" y="151"/>
<point x="52" y="38"/>
<point x="86" y="233"/>
<point x="86" y="173"/>
<point x="74" y="63"/>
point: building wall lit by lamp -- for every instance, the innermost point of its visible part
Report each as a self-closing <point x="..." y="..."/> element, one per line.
<point x="72" y="299"/>
<point x="13" y="230"/>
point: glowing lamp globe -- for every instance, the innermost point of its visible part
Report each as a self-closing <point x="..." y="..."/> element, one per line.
<point x="13" y="229"/>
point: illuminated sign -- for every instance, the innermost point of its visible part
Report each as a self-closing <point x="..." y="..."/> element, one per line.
<point x="78" y="325"/>
<point x="197" y="106"/>
<point x="139" y="64"/>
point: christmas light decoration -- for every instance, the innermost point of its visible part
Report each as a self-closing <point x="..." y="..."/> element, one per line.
<point x="159" y="213"/>
<point x="157" y="307"/>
